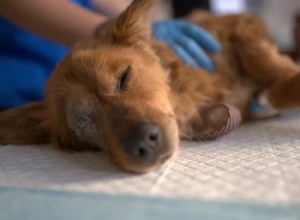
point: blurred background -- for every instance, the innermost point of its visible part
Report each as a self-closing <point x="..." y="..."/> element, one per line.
<point x="279" y="16"/>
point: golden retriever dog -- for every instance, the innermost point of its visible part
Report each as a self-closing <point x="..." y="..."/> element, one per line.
<point x="133" y="98"/>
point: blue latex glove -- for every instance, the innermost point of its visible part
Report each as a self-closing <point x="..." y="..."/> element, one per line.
<point x="188" y="40"/>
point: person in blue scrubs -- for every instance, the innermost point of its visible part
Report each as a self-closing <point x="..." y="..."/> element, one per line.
<point x="35" y="35"/>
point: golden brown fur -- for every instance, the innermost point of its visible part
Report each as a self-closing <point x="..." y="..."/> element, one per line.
<point x="86" y="107"/>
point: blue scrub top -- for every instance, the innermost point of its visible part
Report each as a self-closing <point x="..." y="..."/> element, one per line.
<point x="26" y="62"/>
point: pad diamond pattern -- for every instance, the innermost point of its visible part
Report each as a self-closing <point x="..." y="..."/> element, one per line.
<point x="259" y="162"/>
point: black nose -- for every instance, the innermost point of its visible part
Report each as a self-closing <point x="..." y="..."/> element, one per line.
<point x="143" y="142"/>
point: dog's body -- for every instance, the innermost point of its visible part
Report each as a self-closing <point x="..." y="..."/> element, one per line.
<point x="134" y="98"/>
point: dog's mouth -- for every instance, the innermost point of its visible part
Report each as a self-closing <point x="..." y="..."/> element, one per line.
<point x="165" y="158"/>
<point x="140" y="167"/>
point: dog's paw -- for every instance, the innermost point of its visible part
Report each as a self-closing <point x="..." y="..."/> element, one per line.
<point x="221" y="119"/>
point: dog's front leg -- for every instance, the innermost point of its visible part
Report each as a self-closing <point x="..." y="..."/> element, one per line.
<point x="212" y="122"/>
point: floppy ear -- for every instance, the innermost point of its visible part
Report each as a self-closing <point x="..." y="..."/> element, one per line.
<point x="24" y="125"/>
<point x="133" y="24"/>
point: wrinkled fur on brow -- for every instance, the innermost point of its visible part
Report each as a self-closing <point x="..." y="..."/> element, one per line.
<point x="163" y="90"/>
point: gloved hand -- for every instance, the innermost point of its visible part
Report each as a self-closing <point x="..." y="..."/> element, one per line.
<point x="187" y="40"/>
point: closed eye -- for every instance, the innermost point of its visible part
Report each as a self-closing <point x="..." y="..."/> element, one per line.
<point x="83" y="124"/>
<point x="124" y="78"/>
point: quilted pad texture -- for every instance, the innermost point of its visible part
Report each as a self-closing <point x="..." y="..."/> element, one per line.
<point x="259" y="162"/>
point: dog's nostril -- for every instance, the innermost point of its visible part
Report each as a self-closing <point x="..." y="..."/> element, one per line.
<point x="151" y="133"/>
<point x="153" y="137"/>
<point x="142" y="152"/>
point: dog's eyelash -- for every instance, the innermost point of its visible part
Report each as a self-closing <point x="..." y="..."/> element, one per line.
<point x="123" y="79"/>
<point x="83" y="124"/>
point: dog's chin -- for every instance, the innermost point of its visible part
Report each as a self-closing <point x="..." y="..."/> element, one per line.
<point x="140" y="168"/>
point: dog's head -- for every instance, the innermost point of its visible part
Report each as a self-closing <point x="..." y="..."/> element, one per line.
<point x="113" y="93"/>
